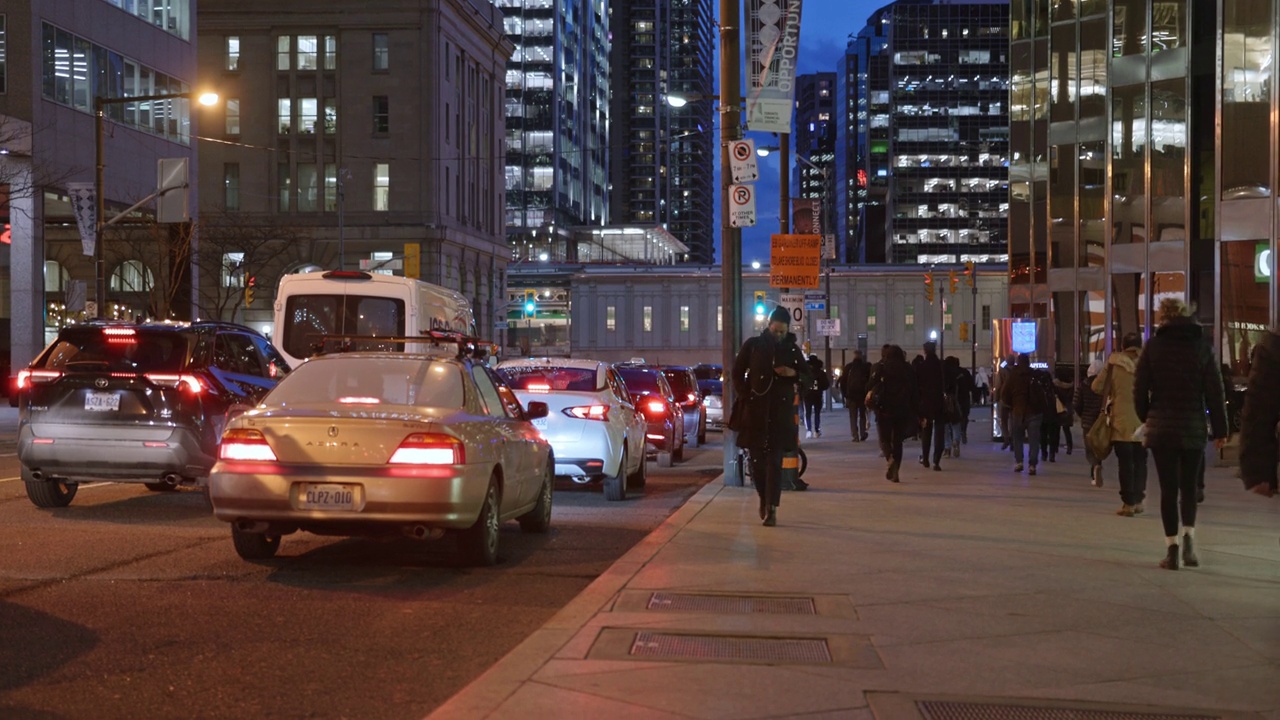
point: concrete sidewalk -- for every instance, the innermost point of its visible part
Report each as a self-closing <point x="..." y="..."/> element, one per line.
<point x="954" y="594"/>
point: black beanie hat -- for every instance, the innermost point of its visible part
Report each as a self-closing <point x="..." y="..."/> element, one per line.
<point x="780" y="314"/>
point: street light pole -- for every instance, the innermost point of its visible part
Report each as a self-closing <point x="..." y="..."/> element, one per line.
<point x="730" y="236"/>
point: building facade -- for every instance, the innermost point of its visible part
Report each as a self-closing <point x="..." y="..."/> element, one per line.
<point x="934" y="151"/>
<point x="556" y="107"/>
<point x="815" y="144"/>
<point x="661" y="156"/>
<point x="59" y="55"/>
<point x="355" y="136"/>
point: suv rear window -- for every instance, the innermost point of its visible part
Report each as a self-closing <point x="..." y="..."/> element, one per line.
<point x="550" y="378"/>
<point x="119" y="348"/>
<point x="680" y="382"/>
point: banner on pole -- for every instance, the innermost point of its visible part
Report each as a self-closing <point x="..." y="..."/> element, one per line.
<point x="773" y="41"/>
<point x="84" y="203"/>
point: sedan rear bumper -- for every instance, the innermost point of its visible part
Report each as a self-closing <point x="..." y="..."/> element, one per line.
<point x="447" y="497"/>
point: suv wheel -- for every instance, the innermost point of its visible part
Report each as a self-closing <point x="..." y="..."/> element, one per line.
<point x="48" y="493"/>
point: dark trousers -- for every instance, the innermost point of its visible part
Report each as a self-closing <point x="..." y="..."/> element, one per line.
<point x="813" y="415"/>
<point x="1049" y="436"/>
<point x="857" y="419"/>
<point x="766" y="474"/>
<point x="934" y="433"/>
<point x="1178" y="469"/>
<point x="1132" y="460"/>
<point x="891" y="437"/>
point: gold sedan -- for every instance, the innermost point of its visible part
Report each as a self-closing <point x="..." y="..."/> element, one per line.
<point x="384" y="443"/>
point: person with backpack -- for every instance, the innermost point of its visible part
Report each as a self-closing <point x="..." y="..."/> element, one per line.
<point x="892" y="395"/>
<point x="814" y="396"/>
<point x="1260" y="419"/>
<point x="1019" y="392"/>
<point x="853" y="386"/>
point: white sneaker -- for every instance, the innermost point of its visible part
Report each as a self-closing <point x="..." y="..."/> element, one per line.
<point x="808" y="434"/>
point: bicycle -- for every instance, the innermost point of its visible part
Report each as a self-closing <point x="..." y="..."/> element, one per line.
<point x="744" y="464"/>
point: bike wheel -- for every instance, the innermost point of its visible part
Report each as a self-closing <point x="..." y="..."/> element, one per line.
<point x="804" y="462"/>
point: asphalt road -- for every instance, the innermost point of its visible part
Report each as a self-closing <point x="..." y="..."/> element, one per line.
<point x="132" y="604"/>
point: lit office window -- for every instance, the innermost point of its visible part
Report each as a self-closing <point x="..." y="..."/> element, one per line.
<point x="381" y="52"/>
<point x="308" y="49"/>
<point x="684" y="318"/>
<point x="233" y="270"/>
<point x="330" y="187"/>
<point x="330" y="52"/>
<point x="307" y="109"/>
<point x="232" y="110"/>
<point x="648" y="318"/>
<point x="330" y="116"/>
<point x="308" y="187"/>
<point x="719" y="318"/>
<point x="285" y="115"/>
<point x="233" y="53"/>
<point x="382" y="187"/>
<point x="284" y="186"/>
<point x="610" y="318"/>
<point x="282" y="52"/>
<point x="910" y="317"/>
<point x="231" y="187"/>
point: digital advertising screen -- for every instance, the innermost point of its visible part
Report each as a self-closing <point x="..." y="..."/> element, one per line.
<point x="1023" y="337"/>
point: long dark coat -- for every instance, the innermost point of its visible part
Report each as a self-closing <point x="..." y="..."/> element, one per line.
<point x="1176" y="380"/>
<point x="931" y="384"/>
<point x="1259" y="447"/>
<point x="771" y="420"/>
<point x="894" y="381"/>
<point x="854" y="379"/>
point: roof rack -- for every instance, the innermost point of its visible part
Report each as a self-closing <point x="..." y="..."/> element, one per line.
<point x="438" y="342"/>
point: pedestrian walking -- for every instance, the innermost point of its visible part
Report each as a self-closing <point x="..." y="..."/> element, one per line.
<point x="1115" y="385"/>
<point x="815" y="394"/>
<point x="766" y="372"/>
<point x="1177" y="380"/>
<point x="853" y="386"/>
<point x="1025" y="403"/>
<point x="1087" y="405"/>
<point x="959" y="389"/>
<point x="997" y="392"/>
<point x="1051" y="422"/>
<point x="982" y="385"/>
<point x="892" y="395"/>
<point x="931" y="382"/>
<point x="1260" y="419"/>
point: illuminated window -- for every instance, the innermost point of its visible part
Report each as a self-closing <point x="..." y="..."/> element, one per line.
<point x="232" y="110"/>
<point x="381" y="114"/>
<point x="233" y="53"/>
<point x="282" y="52"/>
<point x="684" y="318"/>
<point x="308" y="50"/>
<point x="610" y="318"/>
<point x="382" y="187"/>
<point x="381" y="52"/>
<point x="648" y="318"/>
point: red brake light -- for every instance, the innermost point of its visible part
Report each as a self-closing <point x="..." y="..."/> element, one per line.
<point x="429" y="449"/>
<point x="655" y="406"/>
<point x="29" y="377"/>
<point x="588" y="412"/>
<point x="539" y="387"/>
<point x="123" y="335"/>
<point x="243" y="444"/>
<point x="359" y="400"/>
<point x="173" y="380"/>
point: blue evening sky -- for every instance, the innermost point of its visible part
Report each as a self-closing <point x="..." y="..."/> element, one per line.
<point x="825" y="26"/>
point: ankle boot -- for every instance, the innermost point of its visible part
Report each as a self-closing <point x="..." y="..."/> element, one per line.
<point x="893" y="468"/>
<point x="764" y="508"/>
<point x="1188" y="553"/>
<point x="772" y="518"/>
<point x="1170" y="561"/>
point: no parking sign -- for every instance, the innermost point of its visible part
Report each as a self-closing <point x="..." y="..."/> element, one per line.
<point x="742" y="206"/>
<point x="742" y="161"/>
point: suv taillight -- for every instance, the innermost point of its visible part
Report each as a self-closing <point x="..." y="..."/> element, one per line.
<point x="29" y="377"/>
<point x="655" y="406"/>
<point x="429" y="449"/>
<point x="174" y="380"/>
<point x="244" y="444"/>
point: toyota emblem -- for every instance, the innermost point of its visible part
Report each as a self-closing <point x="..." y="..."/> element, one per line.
<point x="100" y="382"/>
<point x="333" y="431"/>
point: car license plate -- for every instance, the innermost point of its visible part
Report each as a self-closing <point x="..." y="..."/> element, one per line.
<point x="327" y="497"/>
<point x="102" y="402"/>
<point x="540" y="423"/>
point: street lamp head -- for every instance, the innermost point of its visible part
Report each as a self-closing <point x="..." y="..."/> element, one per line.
<point x="755" y="264"/>
<point x="678" y="101"/>
<point x="208" y="98"/>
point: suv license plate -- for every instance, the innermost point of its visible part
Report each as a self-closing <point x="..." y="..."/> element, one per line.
<point x="102" y="402"/>
<point x="327" y="497"/>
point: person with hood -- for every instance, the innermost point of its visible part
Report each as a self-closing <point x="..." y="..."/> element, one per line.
<point x="1115" y="386"/>
<point x="997" y="391"/>
<point x="892" y="396"/>
<point x="853" y="386"/>
<point x="959" y="385"/>
<point x="1260" y="419"/>
<point x="931" y="382"/>
<point x="1177" y="379"/>
<point x="1019" y="393"/>
<point x="1087" y="405"/>
<point x="814" y="395"/>
<point x="767" y="372"/>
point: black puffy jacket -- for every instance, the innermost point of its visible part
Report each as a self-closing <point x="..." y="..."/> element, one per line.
<point x="1176" y="380"/>
<point x="1259" y="447"/>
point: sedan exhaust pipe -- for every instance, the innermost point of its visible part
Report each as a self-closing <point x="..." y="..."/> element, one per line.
<point x="37" y="475"/>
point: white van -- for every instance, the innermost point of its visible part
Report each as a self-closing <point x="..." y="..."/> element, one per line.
<point x="352" y="302"/>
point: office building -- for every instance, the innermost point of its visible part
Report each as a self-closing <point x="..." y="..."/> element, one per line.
<point x="815" y="144"/>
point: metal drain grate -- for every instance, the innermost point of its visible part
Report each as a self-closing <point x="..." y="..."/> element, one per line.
<point x="714" y="647"/>
<point x="732" y="604"/>
<point x="947" y="710"/>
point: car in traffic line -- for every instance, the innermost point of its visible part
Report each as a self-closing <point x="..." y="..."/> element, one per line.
<point x="684" y="386"/>
<point x="140" y="403"/>
<point x="385" y="443"/>
<point x="594" y="428"/>
<point x="713" y="402"/>
<point x="664" y="418"/>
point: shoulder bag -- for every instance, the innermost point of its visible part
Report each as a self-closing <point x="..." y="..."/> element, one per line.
<point x="1098" y="438"/>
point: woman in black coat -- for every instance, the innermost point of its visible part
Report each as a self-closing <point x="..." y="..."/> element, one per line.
<point x="893" y="396"/>
<point x="1259" y="420"/>
<point x="1176" y="380"/>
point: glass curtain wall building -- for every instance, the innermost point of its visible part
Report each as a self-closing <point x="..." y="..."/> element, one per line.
<point x="815" y="141"/>
<point x="1114" y="169"/>
<point x="557" y="120"/>
<point x="935" y="149"/>
<point x="662" y="156"/>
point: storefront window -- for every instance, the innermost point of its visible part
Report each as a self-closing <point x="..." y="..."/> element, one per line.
<point x="1093" y="324"/>
<point x="1247" y="59"/>
<point x="1245" y="278"/>
<point x="1127" y="307"/>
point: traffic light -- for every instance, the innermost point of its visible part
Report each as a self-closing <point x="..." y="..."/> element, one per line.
<point x="954" y="281"/>
<point x="530" y="302"/>
<point x="964" y="332"/>
<point x="249" y="284"/>
<point x="928" y="287"/>
<point x="968" y="273"/>
<point x="759" y="303"/>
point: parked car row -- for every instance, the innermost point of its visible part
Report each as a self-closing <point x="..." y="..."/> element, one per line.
<point x="342" y="443"/>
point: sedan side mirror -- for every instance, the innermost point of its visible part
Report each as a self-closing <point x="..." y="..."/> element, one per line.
<point x="536" y="410"/>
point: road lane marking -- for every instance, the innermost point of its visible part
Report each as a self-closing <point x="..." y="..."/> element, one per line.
<point x="9" y="479"/>
<point x="12" y="454"/>
<point x="82" y="485"/>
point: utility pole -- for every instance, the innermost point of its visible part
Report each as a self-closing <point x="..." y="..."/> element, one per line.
<point x="730" y="237"/>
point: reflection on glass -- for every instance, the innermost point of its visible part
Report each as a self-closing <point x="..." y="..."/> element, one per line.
<point x="1126" y="306"/>
<point x="1168" y="158"/>
<point x="1042" y="93"/>
<point x="1020" y="239"/>
<point x="1093" y="190"/>
<point x="1247" y="56"/>
<point x="1020" y="83"/>
<point x="1244" y="302"/>
<point x="1040" y="230"/>
<point x="1093" y="68"/>
<point x="1064" y="323"/>
<point x="1093" y="324"/>
<point x="1168" y="24"/>
<point x="1129" y="139"/>
<point x="1062" y="206"/>
<point x="1064" y="73"/>
<point x="1130" y="23"/>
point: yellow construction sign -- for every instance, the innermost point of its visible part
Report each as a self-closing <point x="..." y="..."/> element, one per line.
<point x="795" y="261"/>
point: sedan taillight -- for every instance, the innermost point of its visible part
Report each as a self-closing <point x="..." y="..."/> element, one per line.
<point x="655" y="406"/>
<point x="29" y="377"/>
<point x="429" y="449"/>
<point x="588" y="412"/>
<point x="245" y="444"/>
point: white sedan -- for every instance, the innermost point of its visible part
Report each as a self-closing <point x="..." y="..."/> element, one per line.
<point x="384" y="443"/>
<point x="592" y="422"/>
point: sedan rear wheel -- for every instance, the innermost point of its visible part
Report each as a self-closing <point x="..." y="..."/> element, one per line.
<point x="160" y="487"/>
<point x="478" y="544"/>
<point x="615" y="486"/>
<point x="678" y="453"/>
<point x="50" y="493"/>
<point x="538" y="520"/>
<point x="254" y="545"/>
<point x="636" y="480"/>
